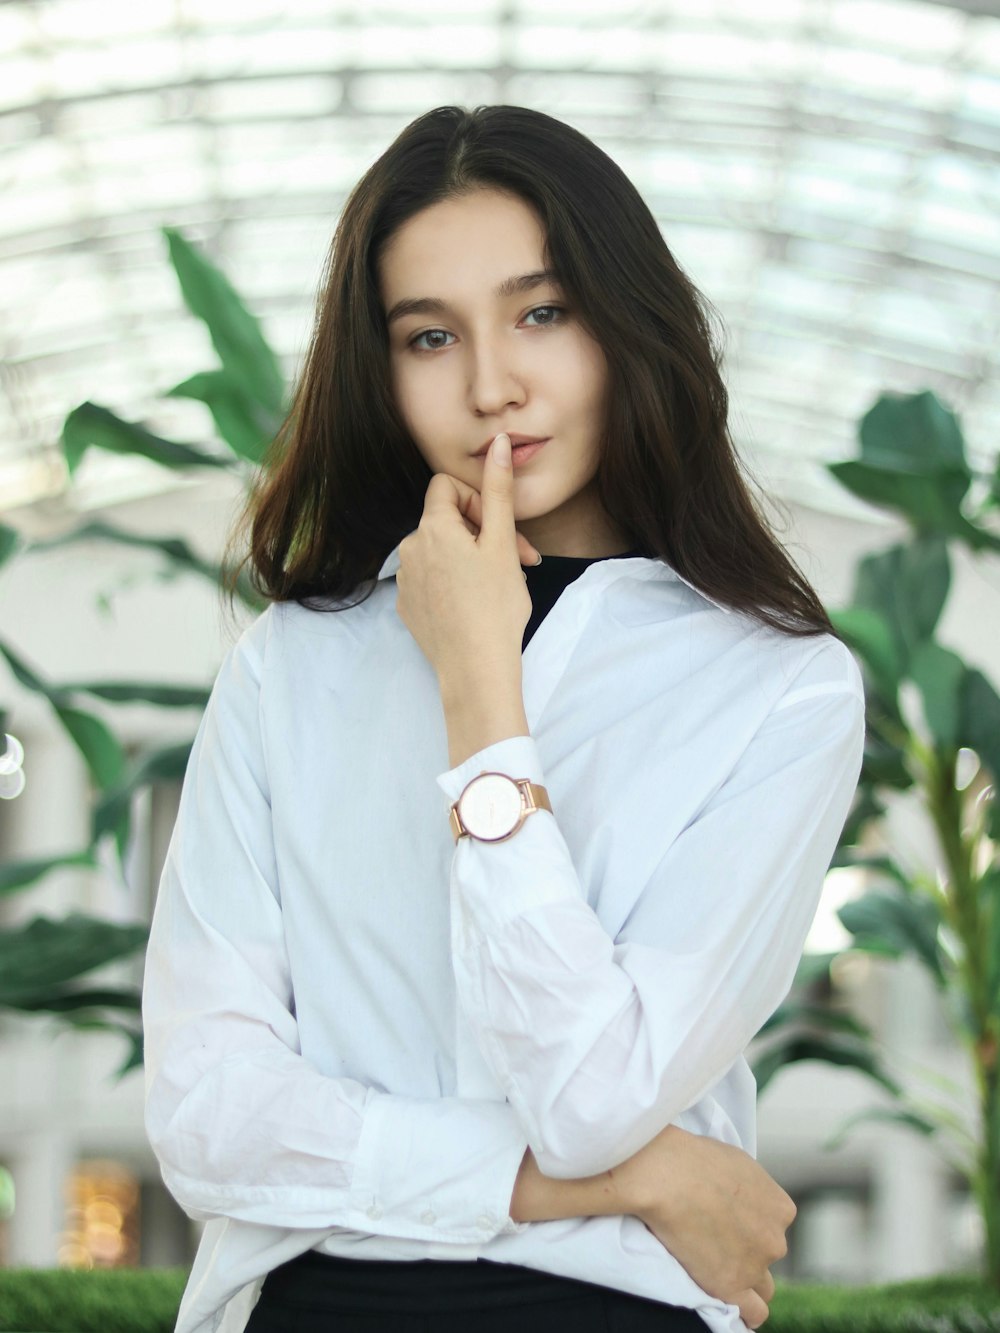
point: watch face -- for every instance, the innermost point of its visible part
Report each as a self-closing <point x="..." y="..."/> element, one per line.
<point x="491" y="805"/>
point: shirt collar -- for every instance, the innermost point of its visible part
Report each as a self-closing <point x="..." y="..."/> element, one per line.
<point x="656" y="568"/>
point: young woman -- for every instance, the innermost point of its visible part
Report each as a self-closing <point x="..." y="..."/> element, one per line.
<point x="483" y="880"/>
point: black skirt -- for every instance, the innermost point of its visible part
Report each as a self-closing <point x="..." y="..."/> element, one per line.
<point x="317" y="1292"/>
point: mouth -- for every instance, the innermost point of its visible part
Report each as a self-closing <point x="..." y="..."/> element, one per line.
<point x="521" y="445"/>
<point x="521" y="453"/>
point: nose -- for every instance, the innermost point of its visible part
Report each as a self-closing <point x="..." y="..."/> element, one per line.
<point x="495" y="377"/>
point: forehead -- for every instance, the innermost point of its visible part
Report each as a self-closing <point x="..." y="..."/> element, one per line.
<point x="458" y="244"/>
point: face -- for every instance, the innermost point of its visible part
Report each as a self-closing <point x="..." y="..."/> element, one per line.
<point x="478" y="363"/>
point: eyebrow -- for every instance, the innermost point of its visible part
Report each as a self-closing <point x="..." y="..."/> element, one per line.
<point x="432" y="305"/>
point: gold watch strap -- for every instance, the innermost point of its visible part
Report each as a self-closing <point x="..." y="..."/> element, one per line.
<point x="536" y="796"/>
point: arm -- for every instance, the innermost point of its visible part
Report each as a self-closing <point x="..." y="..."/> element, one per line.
<point x="600" y="1043"/>
<point x="716" y="1210"/>
<point x="243" y="1126"/>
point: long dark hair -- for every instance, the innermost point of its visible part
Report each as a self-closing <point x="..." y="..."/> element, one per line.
<point x="343" y="481"/>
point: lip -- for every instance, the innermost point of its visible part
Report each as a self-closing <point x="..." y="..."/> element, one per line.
<point x="516" y="438"/>
<point x="523" y="453"/>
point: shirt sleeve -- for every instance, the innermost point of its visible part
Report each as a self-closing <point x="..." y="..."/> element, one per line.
<point x="599" y="1043"/>
<point x="242" y="1124"/>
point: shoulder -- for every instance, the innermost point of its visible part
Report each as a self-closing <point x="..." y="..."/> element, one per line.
<point x="794" y="670"/>
<point x="288" y="639"/>
<point x="821" y="664"/>
<point x="651" y="594"/>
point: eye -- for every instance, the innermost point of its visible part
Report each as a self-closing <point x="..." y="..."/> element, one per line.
<point x="427" y="333"/>
<point x="557" y="308"/>
<point x="543" y="309"/>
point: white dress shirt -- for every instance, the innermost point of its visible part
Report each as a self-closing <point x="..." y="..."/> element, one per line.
<point x="355" y="1026"/>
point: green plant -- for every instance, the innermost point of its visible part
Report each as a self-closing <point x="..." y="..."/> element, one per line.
<point x="933" y="726"/>
<point x="42" y="962"/>
<point x="146" y="1301"/>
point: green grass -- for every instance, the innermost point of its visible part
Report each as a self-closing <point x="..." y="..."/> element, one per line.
<point x="146" y="1300"/>
<point x="70" y="1300"/>
<point x="944" y="1304"/>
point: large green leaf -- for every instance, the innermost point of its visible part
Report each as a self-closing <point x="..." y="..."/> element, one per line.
<point x="134" y="1058"/>
<point x="128" y="692"/>
<point x="82" y="1001"/>
<point x="40" y="957"/>
<point x="236" y="333"/>
<point x="979" y="726"/>
<point x="930" y="504"/>
<point x="883" y="764"/>
<point x="166" y="764"/>
<point x="913" y="433"/>
<point x="911" y="1119"/>
<point x="906" y="586"/>
<point x="97" y="1020"/>
<point x="988" y="892"/>
<point x="814" y="1016"/>
<point x="91" y="425"/>
<point x="872" y="638"/>
<point x="813" y="968"/>
<point x="865" y="807"/>
<point x="10" y="542"/>
<point x="17" y="875"/>
<point x="993" y="498"/>
<point x="885" y="865"/>
<point x="174" y="548"/>
<point x="893" y="924"/>
<point x="989" y="897"/>
<point x="847" y="1052"/>
<point x="100" y="748"/>
<point x="244" y="425"/>
<point x="912" y="460"/>
<point x="939" y="674"/>
<point x="29" y="678"/>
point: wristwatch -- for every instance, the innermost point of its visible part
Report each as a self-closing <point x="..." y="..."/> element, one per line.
<point x="493" y="806"/>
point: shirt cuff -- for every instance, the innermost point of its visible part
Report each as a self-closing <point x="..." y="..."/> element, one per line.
<point x="437" y="1169"/>
<point x="496" y="882"/>
<point x="516" y="756"/>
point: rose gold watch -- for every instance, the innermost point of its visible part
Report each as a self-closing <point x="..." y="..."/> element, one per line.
<point x="493" y="806"/>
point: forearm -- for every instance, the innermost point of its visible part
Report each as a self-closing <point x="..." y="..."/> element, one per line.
<point x="542" y="1199"/>
<point x="479" y="711"/>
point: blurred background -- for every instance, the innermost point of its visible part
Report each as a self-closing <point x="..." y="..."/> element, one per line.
<point x="827" y="172"/>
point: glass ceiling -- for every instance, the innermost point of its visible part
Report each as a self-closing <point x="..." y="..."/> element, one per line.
<point x="827" y="171"/>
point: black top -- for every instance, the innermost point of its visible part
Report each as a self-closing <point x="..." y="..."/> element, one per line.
<point x="547" y="580"/>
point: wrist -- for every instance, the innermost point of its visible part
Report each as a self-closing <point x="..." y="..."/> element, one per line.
<point x="648" y="1177"/>
<point x="496" y="679"/>
<point x="540" y="1198"/>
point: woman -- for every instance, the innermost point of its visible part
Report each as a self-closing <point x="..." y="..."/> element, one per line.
<point x="454" y="1063"/>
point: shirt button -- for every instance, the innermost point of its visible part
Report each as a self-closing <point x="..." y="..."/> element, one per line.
<point x="428" y="1216"/>
<point x="485" y="1221"/>
<point x="374" y="1212"/>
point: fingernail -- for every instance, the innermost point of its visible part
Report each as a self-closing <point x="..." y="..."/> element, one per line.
<point x="539" y="560"/>
<point x="501" y="451"/>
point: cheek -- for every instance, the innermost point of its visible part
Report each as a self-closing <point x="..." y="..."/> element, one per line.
<point x="587" y="369"/>
<point x="420" y="409"/>
<point x="412" y="400"/>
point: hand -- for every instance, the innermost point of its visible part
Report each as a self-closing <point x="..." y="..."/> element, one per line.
<point x="716" y="1210"/>
<point x="461" y="595"/>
